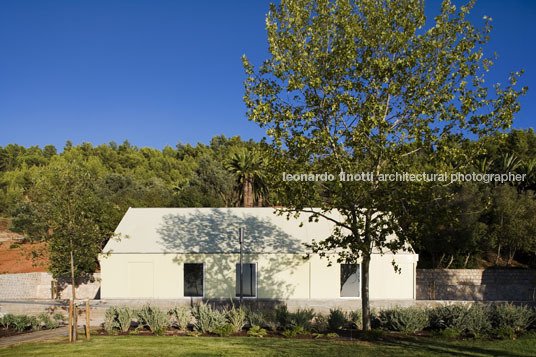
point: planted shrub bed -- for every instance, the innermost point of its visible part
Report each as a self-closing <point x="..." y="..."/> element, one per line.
<point x="16" y="324"/>
<point x="453" y="321"/>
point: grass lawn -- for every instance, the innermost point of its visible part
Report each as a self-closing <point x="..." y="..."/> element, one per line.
<point x="247" y="346"/>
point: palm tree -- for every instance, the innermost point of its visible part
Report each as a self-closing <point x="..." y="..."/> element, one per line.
<point x="248" y="168"/>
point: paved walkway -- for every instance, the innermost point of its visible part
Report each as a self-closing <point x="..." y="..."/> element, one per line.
<point x="34" y="336"/>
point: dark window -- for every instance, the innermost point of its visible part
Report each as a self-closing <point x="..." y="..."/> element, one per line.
<point x="193" y="279"/>
<point x="249" y="283"/>
<point x="350" y="280"/>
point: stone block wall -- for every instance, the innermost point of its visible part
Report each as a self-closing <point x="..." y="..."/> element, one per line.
<point x="476" y="284"/>
<point x="38" y="286"/>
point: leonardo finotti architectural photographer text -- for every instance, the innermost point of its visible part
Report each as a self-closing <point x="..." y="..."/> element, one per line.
<point x="406" y="176"/>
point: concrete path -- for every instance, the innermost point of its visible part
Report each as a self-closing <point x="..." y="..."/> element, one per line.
<point x="34" y="336"/>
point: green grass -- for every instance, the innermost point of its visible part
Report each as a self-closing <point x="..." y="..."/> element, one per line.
<point x="246" y="346"/>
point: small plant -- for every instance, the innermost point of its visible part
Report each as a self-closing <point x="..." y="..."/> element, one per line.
<point x="159" y="331"/>
<point x="518" y="318"/>
<point x="110" y="320"/>
<point x="224" y="330"/>
<point x="373" y="335"/>
<point x="447" y="316"/>
<point x="262" y="318"/>
<point x="256" y="331"/>
<point x="356" y="319"/>
<point x="449" y="332"/>
<point x="59" y="318"/>
<point x="282" y="316"/>
<point x="410" y="319"/>
<point x="208" y="319"/>
<point x="21" y="322"/>
<point x="332" y="335"/>
<point x="7" y="320"/>
<point x="237" y="318"/>
<point x="182" y="316"/>
<point x="153" y="317"/>
<point x="124" y="316"/>
<point x="35" y="324"/>
<point x="320" y="324"/>
<point x="293" y="332"/>
<point x="475" y="321"/>
<point x="336" y="319"/>
<point x="504" y="333"/>
<point x="47" y="321"/>
<point x="302" y="318"/>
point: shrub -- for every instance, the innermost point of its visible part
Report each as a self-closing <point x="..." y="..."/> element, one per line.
<point x="7" y="320"/>
<point x="237" y="318"/>
<point x="58" y="317"/>
<point x="47" y="321"/>
<point x="321" y="323"/>
<point x="224" y="330"/>
<point x="332" y="335"/>
<point x="449" y="332"/>
<point x="282" y="316"/>
<point x="182" y="316"/>
<point x="410" y="319"/>
<point x="207" y="319"/>
<point x="356" y="318"/>
<point x="110" y="320"/>
<point x="262" y="318"/>
<point x="302" y="318"/>
<point x="153" y="317"/>
<point x="124" y="316"/>
<point x="504" y="333"/>
<point x="518" y="318"/>
<point x="475" y="320"/>
<point x="296" y="330"/>
<point x="21" y="322"/>
<point x="336" y="319"/>
<point x="35" y="324"/>
<point x="256" y="331"/>
<point x="373" y="335"/>
<point x="447" y="316"/>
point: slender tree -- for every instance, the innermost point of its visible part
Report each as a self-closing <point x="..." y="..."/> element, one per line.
<point x="354" y="87"/>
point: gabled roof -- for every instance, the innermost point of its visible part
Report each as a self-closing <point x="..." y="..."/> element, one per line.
<point x="214" y="230"/>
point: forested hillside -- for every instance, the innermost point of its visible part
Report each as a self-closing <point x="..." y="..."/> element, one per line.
<point x="460" y="224"/>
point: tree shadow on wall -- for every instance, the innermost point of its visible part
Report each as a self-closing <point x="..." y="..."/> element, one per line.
<point x="214" y="233"/>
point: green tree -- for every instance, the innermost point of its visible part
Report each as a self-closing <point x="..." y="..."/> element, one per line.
<point x="247" y="166"/>
<point x="513" y="220"/>
<point x="359" y="86"/>
<point x="64" y="203"/>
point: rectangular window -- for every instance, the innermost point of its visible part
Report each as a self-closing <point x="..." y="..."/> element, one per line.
<point x="350" y="280"/>
<point x="193" y="279"/>
<point x="249" y="282"/>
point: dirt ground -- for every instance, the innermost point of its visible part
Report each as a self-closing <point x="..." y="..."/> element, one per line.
<point x="16" y="257"/>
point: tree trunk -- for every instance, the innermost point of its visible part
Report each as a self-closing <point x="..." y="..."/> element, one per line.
<point x="365" y="300"/>
<point x="75" y="318"/>
<point x="440" y="261"/>
<point x="498" y="255"/>
<point x="365" y="264"/>
<point x="248" y="197"/>
<point x="511" y="254"/>
<point x="450" y="261"/>
<point x="466" y="260"/>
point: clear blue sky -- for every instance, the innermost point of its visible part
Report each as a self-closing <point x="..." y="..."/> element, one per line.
<point x="160" y="72"/>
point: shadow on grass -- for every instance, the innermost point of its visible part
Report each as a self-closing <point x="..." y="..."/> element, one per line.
<point x="445" y="346"/>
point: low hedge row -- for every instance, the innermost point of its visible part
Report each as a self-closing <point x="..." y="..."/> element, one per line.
<point x="455" y="319"/>
<point x="27" y="322"/>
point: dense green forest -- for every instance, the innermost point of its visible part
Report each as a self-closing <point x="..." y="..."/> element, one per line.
<point x="469" y="224"/>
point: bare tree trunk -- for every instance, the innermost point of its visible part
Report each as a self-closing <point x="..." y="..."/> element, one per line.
<point x="75" y="317"/>
<point x="498" y="255"/>
<point x="440" y="261"/>
<point x="450" y="261"/>
<point x="511" y="254"/>
<point x="248" y="197"/>
<point x="466" y="260"/>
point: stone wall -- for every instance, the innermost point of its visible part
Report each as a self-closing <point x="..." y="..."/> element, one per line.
<point x="476" y="284"/>
<point x="39" y="286"/>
